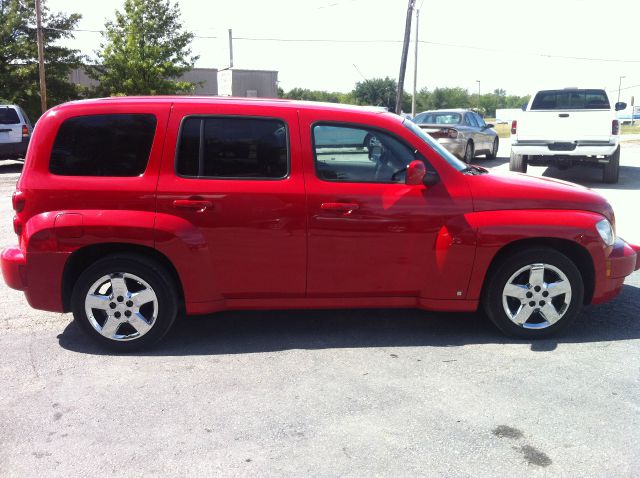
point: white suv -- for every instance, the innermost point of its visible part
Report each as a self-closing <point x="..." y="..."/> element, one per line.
<point x="15" y="131"/>
<point x="566" y="127"/>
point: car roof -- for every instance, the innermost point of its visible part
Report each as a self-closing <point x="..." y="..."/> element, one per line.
<point x="260" y="102"/>
<point x="450" y="110"/>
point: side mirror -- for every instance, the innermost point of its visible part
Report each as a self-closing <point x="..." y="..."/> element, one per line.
<point x="523" y="107"/>
<point x="489" y="125"/>
<point x="620" y="106"/>
<point x="416" y="172"/>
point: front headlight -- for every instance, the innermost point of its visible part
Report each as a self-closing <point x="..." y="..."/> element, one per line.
<point x="606" y="232"/>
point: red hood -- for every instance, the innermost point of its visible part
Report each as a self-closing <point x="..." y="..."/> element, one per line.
<point x="498" y="190"/>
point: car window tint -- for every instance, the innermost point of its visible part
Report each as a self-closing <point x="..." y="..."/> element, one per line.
<point x="353" y="154"/>
<point x="571" y="100"/>
<point x="9" y="116"/>
<point x="479" y="120"/>
<point x="249" y="148"/>
<point x="103" y="145"/>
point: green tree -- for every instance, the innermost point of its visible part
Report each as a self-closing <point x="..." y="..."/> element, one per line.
<point x="145" y="50"/>
<point x="19" y="81"/>
<point x="380" y="92"/>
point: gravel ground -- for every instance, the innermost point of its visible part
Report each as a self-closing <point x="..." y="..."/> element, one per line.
<point x="328" y="393"/>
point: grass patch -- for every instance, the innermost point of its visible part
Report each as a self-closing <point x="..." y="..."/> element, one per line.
<point x="628" y="129"/>
<point x="503" y="130"/>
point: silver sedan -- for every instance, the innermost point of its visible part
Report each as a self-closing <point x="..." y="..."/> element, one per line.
<point x="463" y="132"/>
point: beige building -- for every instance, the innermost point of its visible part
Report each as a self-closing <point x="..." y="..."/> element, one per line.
<point x="211" y="82"/>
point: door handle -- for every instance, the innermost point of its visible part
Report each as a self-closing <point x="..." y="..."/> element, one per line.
<point x="344" y="207"/>
<point x="199" y="205"/>
<point x="563" y="115"/>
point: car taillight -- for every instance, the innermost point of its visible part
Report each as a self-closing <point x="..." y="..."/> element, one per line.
<point x="514" y="127"/>
<point x="18" y="201"/>
<point x="615" y="127"/>
<point x="25" y="131"/>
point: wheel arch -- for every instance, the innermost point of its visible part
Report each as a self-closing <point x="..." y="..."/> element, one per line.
<point x="80" y="259"/>
<point x="574" y="251"/>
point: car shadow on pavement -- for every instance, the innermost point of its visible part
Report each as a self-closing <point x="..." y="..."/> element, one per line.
<point x="592" y="177"/>
<point x="491" y="163"/>
<point x="11" y="167"/>
<point x="271" y="331"/>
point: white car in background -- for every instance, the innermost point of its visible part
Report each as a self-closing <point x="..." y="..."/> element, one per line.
<point x="568" y="127"/>
<point x="15" y="132"/>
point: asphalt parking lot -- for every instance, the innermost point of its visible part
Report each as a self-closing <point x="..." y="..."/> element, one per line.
<point x="328" y="393"/>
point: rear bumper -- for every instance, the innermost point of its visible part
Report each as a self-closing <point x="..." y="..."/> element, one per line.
<point x="14" y="268"/>
<point x="547" y="148"/>
<point x="623" y="260"/>
<point x="39" y="275"/>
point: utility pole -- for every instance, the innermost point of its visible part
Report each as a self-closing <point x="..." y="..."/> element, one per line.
<point x="478" y="106"/>
<point x="43" y="84"/>
<point x="415" y="66"/>
<point x="619" y="85"/>
<point x="403" y="59"/>
<point x="230" y="48"/>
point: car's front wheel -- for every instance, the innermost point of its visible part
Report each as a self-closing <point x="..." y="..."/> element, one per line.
<point x="533" y="293"/>
<point x="125" y="302"/>
<point x="494" y="149"/>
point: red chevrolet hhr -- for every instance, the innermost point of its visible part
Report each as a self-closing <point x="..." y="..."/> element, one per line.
<point x="131" y="211"/>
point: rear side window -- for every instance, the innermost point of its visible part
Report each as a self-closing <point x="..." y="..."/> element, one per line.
<point x="233" y="148"/>
<point x="9" y="116"/>
<point x="103" y="145"/>
<point x="571" y="100"/>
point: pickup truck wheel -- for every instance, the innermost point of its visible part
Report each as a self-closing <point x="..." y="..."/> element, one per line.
<point x="494" y="149"/>
<point x="469" y="152"/>
<point x="533" y="293"/>
<point x="518" y="163"/>
<point x="125" y="302"/>
<point x="611" y="170"/>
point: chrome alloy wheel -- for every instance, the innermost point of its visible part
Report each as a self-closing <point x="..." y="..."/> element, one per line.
<point x="536" y="296"/>
<point x="121" y="306"/>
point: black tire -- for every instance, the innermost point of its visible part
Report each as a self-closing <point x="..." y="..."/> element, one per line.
<point x="518" y="163"/>
<point x="494" y="149"/>
<point x="469" y="152"/>
<point x="499" y="276"/>
<point x="611" y="170"/>
<point x="149" y="271"/>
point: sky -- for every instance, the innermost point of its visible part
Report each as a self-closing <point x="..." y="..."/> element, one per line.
<point x="515" y="45"/>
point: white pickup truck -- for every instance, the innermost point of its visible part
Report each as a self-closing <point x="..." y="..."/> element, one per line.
<point x="567" y="127"/>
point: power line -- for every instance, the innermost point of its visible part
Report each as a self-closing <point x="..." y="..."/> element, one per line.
<point x="383" y="41"/>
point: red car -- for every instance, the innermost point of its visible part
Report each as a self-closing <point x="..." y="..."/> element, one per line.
<point x="131" y="211"/>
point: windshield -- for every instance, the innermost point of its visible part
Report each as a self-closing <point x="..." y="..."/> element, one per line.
<point x="571" y="100"/>
<point x="448" y="157"/>
<point x="442" y="117"/>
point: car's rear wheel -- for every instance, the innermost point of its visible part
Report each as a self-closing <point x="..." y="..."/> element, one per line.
<point x="518" y="163"/>
<point x="611" y="170"/>
<point x="469" y="152"/>
<point x="125" y="302"/>
<point x="533" y="293"/>
<point x="494" y="149"/>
